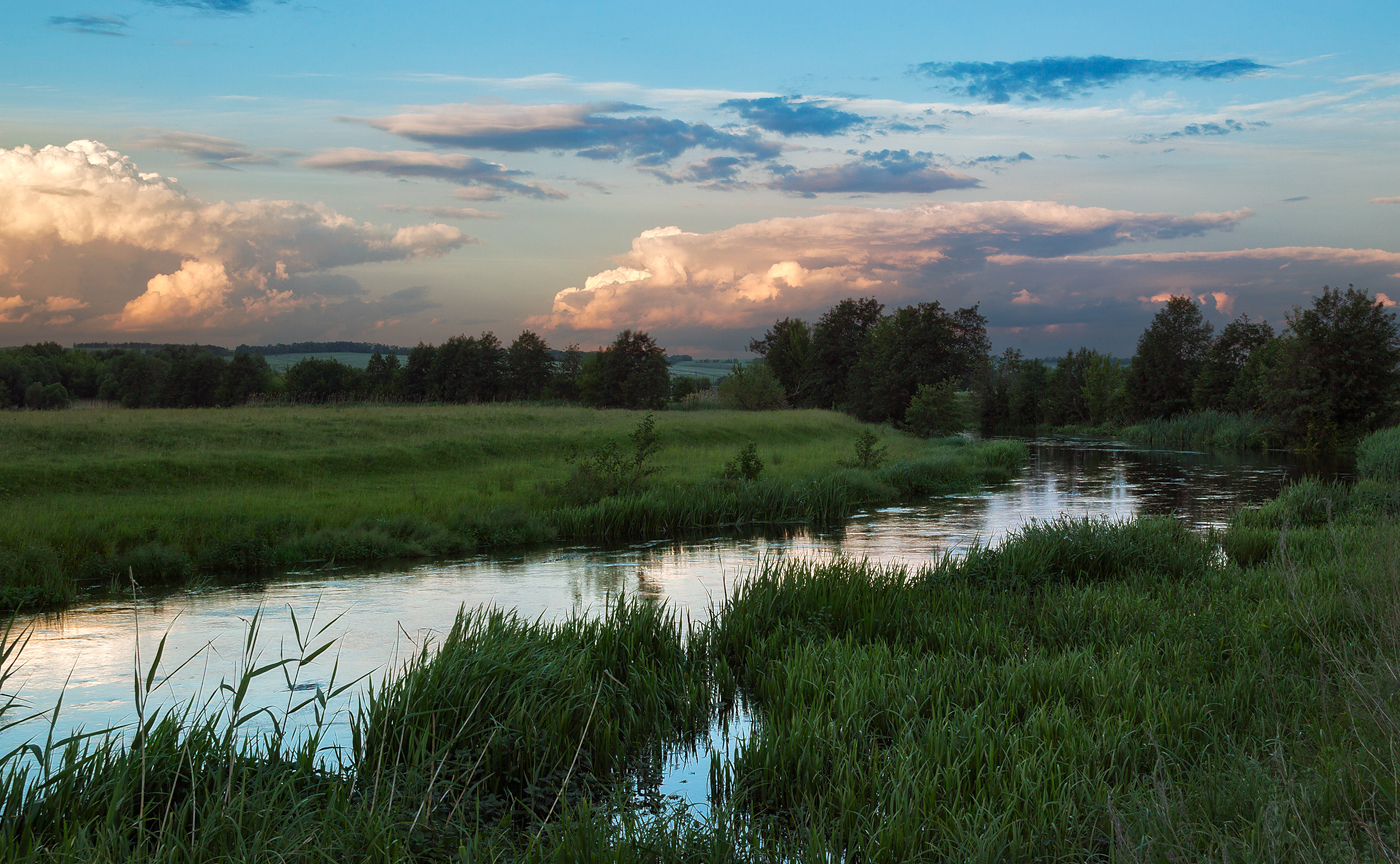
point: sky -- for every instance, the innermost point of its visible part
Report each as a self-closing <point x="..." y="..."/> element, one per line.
<point x="256" y="171"/>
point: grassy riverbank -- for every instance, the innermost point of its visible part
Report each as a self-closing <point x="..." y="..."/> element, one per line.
<point x="170" y="495"/>
<point x="1086" y="691"/>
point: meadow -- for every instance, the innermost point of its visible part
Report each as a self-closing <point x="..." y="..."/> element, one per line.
<point x="1084" y="691"/>
<point x="92" y="498"/>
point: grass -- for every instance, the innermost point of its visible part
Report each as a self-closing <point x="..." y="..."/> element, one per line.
<point x="169" y="495"/>
<point x="1087" y="690"/>
<point x="1206" y="430"/>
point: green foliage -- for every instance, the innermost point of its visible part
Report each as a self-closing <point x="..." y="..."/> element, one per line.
<point x="1222" y="385"/>
<point x="45" y="397"/>
<point x="32" y="578"/>
<point x="1207" y="429"/>
<point x="1378" y="456"/>
<point x="839" y="339"/>
<point x="314" y="379"/>
<point x="787" y="349"/>
<point x="868" y="455"/>
<point x="751" y="387"/>
<point x="529" y="367"/>
<point x="935" y="411"/>
<point x="745" y="465"/>
<point x="1169" y="356"/>
<point x="606" y="470"/>
<point x="915" y="345"/>
<point x="249" y="376"/>
<point x="630" y="373"/>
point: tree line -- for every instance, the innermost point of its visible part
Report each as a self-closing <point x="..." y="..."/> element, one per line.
<point x="1329" y="376"/>
<point x="632" y="372"/>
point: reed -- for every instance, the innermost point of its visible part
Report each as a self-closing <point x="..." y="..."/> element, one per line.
<point x="1207" y="430"/>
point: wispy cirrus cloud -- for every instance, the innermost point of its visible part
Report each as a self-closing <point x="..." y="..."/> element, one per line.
<point x="996" y="161"/>
<point x="485" y="180"/>
<point x="1056" y="78"/>
<point x="223" y="7"/>
<point x="95" y="25"/>
<point x="590" y="129"/>
<point x="441" y="212"/>
<point x="879" y="171"/>
<point x="792" y="115"/>
<point x="1205" y="130"/>
<point x="207" y="151"/>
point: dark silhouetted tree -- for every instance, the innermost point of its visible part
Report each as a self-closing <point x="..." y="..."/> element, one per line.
<point x="630" y="373"/>
<point x="1169" y="355"/>
<point x="838" y="341"/>
<point x="529" y="367"/>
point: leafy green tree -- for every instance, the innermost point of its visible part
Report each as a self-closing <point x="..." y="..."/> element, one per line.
<point x="921" y="344"/>
<point x="751" y="387"/>
<point x="383" y="374"/>
<point x="315" y="379"/>
<point x="1332" y="376"/>
<point x="1169" y="357"/>
<point x="565" y="383"/>
<point x="191" y="378"/>
<point x="1218" y="386"/>
<point x="1102" y="388"/>
<point x="529" y="367"/>
<point x="787" y="349"/>
<point x="935" y="411"/>
<point x="630" y="373"/>
<point x="248" y="375"/>
<point x="418" y="373"/>
<point x="839" y="340"/>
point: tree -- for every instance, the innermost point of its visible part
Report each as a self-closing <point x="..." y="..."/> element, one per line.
<point x="315" y="379"/>
<point x="565" y="383"/>
<point x="1102" y="388"/>
<point x="751" y="387"/>
<point x="1218" y="386"/>
<point x="382" y="374"/>
<point x="1169" y="356"/>
<point x="1332" y="376"/>
<point x="838" y="341"/>
<point x="935" y="411"/>
<point x="248" y="375"/>
<point x="418" y="373"/>
<point x="787" y="349"/>
<point x="529" y="367"/>
<point x="631" y="373"/>
<point x="920" y="344"/>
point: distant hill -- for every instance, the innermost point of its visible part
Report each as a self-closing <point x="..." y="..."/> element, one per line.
<point x="324" y="348"/>
<point x="149" y="347"/>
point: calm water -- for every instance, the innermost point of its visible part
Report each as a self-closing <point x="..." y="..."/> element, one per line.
<point x="379" y="617"/>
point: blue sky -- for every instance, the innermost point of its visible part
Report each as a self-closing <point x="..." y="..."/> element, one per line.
<point x="350" y="171"/>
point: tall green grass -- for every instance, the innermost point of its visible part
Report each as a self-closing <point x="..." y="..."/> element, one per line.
<point x="169" y="496"/>
<point x="1378" y="456"/>
<point x="1207" y="430"/>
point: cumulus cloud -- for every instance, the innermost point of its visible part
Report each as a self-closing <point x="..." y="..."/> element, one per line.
<point x="207" y="150"/>
<point x="879" y="171"/>
<point x="1199" y="130"/>
<point x="791" y="115"/>
<point x="161" y="259"/>
<point x="491" y="180"/>
<point x="96" y="25"/>
<point x="1067" y="77"/>
<point x="747" y="275"/>
<point x="587" y="128"/>
<point x="716" y="172"/>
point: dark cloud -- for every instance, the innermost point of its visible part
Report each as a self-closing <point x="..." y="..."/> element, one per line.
<point x="716" y="172"/>
<point x="997" y="162"/>
<point x="483" y="180"/>
<point x="881" y="171"/>
<point x="585" y="128"/>
<point x="1295" y="199"/>
<point x="1066" y="77"/>
<point x="97" y="25"/>
<point x="1197" y="130"/>
<point x="789" y="115"/>
<point x="207" y="150"/>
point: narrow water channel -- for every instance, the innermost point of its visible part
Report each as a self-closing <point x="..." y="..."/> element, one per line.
<point x="381" y="616"/>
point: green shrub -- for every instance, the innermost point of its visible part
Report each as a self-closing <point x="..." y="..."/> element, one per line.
<point x="751" y="387"/>
<point x="746" y="465"/>
<point x="869" y="456"/>
<point x="936" y="411"/>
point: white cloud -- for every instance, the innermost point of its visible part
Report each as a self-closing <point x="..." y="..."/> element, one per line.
<point x="85" y="200"/>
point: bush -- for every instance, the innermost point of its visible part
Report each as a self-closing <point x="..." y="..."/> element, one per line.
<point x="746" y="465"/>
<point x="752" y="387"/>
<point x="43" y="397"/>
<point x="868" y="456"/>
<point x="606" y="470"/>
<point x="935" y="411"/>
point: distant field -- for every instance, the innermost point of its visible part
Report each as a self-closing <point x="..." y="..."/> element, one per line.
<point x="712" y="369"/>
<point x="280" y="362"/>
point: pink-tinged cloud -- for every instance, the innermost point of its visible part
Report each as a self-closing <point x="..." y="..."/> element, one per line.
<point x="749" y="274"/>
<point x="1394" y="199"/>
<point x="171" y="260"/>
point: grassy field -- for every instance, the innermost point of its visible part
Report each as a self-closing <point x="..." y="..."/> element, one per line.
<point x="1086" y="691"/>
<point x="167" y="495"/>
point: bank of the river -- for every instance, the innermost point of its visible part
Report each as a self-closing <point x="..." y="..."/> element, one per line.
<point x="1085" y="691"/>
<point x="90" y="497"/>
